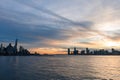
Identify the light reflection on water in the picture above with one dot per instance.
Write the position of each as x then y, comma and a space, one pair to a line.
59, 67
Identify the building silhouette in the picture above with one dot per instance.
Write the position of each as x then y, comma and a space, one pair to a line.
9, 49
69, 51
13, 50
2, 49
87, 51
75, 52
15, 46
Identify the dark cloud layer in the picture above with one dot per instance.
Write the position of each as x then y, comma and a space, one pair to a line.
31, 28
16, 30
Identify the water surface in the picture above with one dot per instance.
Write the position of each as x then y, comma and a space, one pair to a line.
59, 67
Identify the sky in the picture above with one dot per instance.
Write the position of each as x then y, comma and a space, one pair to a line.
52, 26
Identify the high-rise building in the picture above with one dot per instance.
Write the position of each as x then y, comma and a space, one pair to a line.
15, 46
1, 49
10, 49
68, 51
87, 51
75, 51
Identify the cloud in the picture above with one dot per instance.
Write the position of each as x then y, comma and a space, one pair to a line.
59, 24
45, 16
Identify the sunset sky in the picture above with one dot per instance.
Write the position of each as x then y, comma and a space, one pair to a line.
52, 26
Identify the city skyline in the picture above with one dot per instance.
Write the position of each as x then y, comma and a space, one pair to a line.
15, 50
52, 26
88, 51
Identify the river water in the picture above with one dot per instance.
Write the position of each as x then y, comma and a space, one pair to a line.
59, 67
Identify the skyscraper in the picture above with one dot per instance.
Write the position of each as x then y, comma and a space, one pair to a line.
15, 46
68, 51
75, 52
87, 51
1, 49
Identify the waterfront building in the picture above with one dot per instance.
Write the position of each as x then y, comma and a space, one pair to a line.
69, 51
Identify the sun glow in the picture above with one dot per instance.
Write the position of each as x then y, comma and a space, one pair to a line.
109, 27
47, 50
112, 44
